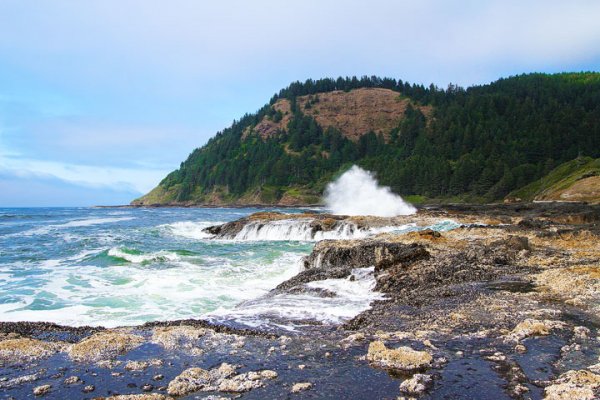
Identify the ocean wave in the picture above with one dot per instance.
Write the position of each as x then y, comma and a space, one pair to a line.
349, 298
46, 229
137, 257
128, 294
189, 229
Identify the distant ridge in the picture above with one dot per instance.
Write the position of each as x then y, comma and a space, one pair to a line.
477, 144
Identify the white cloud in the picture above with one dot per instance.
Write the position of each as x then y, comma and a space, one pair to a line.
139, 180
113, 92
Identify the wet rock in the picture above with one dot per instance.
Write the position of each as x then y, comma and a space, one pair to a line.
416, 385
301, 386
148, 396
429, 234
349, 254
421, 277
217, 379
19, 381
595, 368
520, 349
213, 397
142, 365
147, 387
315, 222
158, 377
72, 380
108, 364
104, 345
25, 349
42, 390
534, 327
579, 385
403, 358
497, 356
89, 389
297, 282
514, 243
173, 337
312, 291
189, 381
519, 390
245, 382
352, 340
581, 332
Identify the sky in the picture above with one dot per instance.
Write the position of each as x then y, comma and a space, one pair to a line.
99, 100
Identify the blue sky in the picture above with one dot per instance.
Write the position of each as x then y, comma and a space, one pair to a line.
100, 99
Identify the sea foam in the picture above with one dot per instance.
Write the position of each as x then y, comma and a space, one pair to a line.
357, 192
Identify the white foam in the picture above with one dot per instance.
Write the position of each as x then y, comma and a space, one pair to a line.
190, 229
141, 258
46, 229
134, 293
351, 298
301, 230
296, 229
356, 192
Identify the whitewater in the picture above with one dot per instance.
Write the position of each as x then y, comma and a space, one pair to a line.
115, 267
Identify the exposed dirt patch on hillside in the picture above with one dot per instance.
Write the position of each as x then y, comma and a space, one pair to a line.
586, 189
353, 113
359, 111
268, 127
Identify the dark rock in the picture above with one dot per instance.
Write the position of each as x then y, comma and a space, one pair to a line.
362, 253
317, 292
89, 389
147, 387
310, 275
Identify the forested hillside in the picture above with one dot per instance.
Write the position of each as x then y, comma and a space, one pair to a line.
474, 144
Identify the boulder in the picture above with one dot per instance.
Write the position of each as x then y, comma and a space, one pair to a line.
416, 385
104, 345
350, 254
581, 385
403, 358
301, 386
25, 349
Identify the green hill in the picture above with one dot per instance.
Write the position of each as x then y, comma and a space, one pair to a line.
475, 144
575, 180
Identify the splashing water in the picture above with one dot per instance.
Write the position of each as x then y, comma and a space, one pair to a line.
356, 192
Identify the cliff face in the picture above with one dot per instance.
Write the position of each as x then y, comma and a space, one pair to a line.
478, 144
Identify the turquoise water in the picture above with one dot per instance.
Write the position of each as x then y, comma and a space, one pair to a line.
111, 267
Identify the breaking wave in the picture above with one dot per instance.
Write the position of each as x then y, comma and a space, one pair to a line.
357, 192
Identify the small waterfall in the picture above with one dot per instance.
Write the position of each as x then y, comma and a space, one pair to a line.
297, 229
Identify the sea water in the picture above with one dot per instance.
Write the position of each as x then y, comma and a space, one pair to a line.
126, 266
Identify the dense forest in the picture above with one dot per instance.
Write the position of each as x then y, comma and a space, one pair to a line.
478, 144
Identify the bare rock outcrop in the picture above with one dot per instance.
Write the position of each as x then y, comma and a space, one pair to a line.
402, 358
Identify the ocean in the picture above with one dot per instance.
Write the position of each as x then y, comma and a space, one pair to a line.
127, 266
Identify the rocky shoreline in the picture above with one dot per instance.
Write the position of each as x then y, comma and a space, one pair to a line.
506, 306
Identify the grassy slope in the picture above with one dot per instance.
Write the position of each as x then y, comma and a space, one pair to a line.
559, 180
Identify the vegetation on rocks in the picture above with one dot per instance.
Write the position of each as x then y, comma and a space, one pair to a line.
576, 180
